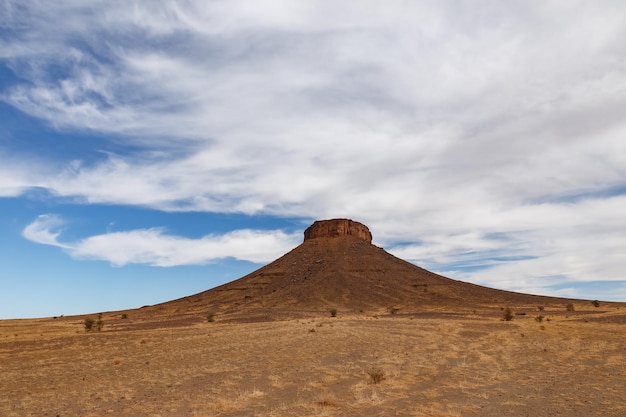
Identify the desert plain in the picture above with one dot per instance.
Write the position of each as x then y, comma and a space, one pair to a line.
354, 364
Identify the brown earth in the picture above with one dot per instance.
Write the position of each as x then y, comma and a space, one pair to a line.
404, 342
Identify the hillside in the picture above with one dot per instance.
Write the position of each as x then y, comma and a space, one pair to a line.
337, 267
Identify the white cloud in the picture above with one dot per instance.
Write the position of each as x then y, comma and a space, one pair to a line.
45, 230
533, 248
491, 96
157, 248
19, 175
480, 130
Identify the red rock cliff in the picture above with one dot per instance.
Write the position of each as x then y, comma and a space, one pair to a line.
337, 228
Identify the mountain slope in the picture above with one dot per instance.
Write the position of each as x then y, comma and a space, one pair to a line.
337, 267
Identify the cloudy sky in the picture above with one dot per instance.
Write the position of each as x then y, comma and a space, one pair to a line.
150, 150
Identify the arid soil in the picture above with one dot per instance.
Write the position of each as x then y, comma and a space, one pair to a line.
570, 364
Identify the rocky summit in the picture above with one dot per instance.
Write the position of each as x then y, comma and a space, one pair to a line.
337, 228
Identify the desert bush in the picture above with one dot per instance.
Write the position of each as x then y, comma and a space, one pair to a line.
99, 322
570, 307
91, 324
507, 315
376, 375
595, 303
210, 317
540, 308
539, 319
333, 312
124, 316
88, 323
394, 310
327, 400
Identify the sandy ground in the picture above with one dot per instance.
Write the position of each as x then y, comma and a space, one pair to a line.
350, 365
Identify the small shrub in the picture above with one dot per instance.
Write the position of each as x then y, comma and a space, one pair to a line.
394, 311
570, 307
333, 312
595, 303
327, 400
124, 316
376, 375
540, 308
88, 323
507, 315
94, 324
210, 317
539, 319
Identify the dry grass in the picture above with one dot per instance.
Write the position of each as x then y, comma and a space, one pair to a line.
435, 366
376, 375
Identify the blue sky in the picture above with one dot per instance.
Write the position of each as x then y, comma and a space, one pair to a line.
151, 150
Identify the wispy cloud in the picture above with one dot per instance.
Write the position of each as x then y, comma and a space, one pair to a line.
156, 247
45, 230
19, 174
295, 93
533, 248
443, 123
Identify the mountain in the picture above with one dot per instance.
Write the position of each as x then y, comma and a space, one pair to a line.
338, 268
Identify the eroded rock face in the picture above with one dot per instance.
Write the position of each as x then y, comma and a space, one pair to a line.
337, 228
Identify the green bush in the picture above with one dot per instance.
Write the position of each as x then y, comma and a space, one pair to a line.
570, 307
539, 319
596, 303
210, 317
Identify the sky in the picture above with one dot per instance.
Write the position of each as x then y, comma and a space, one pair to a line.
152, 150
